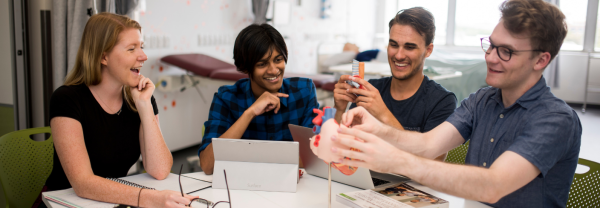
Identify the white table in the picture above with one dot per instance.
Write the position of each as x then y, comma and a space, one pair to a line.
380, 69
312, 192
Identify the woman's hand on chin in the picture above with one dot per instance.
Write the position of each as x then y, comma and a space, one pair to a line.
143, 91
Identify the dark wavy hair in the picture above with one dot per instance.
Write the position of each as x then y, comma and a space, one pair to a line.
253, 43
543, 22
418, 18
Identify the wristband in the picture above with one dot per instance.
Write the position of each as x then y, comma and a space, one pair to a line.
139, 196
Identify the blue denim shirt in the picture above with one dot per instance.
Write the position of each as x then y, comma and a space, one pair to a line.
539, 127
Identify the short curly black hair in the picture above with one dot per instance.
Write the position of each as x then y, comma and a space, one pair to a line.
418, 18
253, 43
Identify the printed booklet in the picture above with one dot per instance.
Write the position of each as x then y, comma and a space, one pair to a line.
398, 196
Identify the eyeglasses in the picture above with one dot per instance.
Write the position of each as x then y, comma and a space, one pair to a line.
504, 53
204, 201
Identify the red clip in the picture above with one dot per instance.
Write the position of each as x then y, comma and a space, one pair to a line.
319, 118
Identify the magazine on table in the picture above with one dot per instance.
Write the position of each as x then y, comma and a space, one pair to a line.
400, 195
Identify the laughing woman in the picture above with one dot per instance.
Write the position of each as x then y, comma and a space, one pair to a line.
261, 106
105, 116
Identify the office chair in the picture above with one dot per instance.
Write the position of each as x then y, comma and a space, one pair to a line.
25, 165
458, 154
585, 189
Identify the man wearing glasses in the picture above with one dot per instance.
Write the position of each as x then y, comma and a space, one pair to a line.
524, 141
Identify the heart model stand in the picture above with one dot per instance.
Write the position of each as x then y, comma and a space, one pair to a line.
321, 144
330, 185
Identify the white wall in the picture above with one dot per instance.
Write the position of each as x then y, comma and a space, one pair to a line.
6, 56
572, 77
210, 27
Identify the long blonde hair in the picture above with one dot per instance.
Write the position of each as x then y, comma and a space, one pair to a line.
100, 35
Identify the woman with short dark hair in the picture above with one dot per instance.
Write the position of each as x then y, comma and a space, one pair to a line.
261, 106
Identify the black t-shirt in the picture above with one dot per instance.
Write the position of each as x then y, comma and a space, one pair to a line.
112, 141
430, 106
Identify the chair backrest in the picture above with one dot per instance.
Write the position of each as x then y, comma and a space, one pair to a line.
25, 165
585, 189
458, 154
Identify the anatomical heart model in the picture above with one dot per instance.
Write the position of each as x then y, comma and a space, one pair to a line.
325, 127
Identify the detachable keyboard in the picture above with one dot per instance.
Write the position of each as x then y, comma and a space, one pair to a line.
377, 182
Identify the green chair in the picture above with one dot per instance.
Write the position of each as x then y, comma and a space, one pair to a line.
25, 165
458, 154
585, 189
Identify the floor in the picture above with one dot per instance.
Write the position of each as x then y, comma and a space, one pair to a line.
181, 157
590, 141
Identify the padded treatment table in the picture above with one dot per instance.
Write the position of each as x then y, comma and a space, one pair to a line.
199, 64
318, 79
229, 75
330, 86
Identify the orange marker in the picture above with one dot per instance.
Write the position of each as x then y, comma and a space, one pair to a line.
361, 70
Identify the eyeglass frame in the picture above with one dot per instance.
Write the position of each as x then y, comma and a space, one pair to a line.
510, 51
198, 199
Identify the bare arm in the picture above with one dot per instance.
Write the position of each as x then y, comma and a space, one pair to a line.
156, 155
71, 149
507, 174
434, 144
430, 145
339, 113
207, 160
389, 119
158, 164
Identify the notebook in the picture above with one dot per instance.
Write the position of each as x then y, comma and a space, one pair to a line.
68, 198
129, 183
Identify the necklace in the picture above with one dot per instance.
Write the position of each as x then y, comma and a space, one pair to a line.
99, 98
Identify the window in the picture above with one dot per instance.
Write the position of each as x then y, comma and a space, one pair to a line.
475, 19
597, 42
575, 15
439, 9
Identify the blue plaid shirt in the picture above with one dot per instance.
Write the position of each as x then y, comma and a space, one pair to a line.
230, 102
